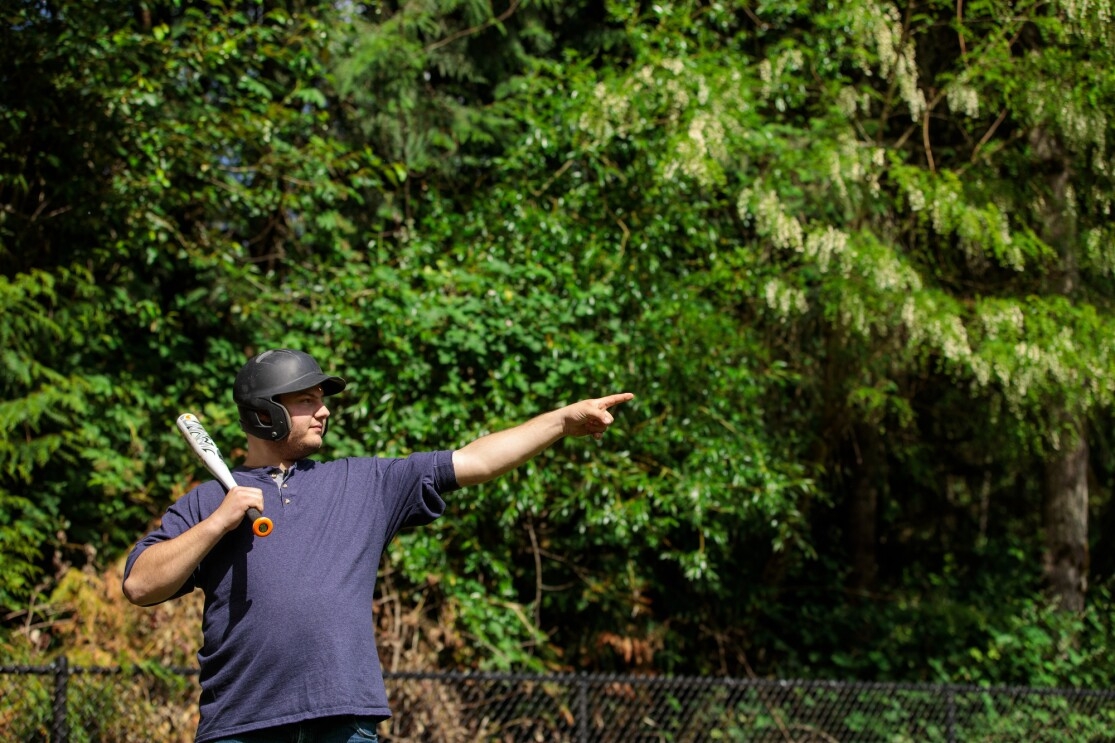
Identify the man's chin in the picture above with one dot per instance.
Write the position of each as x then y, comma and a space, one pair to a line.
304, 447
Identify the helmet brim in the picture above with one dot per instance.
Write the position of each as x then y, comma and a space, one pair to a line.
329, 385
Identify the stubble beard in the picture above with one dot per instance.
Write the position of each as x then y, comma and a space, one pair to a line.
304, 446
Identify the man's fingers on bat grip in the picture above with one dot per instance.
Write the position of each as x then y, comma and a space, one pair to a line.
248, 497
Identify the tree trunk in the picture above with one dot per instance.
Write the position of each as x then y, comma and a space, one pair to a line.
863, 509
1066, 525
1066, 474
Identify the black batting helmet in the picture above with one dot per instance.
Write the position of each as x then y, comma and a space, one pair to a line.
268, 375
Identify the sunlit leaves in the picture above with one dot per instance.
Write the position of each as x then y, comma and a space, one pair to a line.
778, 223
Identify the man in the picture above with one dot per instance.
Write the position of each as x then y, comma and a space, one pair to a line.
288, 649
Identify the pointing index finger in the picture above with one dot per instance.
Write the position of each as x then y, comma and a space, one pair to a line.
611, 400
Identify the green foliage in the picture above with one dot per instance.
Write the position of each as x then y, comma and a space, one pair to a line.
807, 235
1040, 646
38, 404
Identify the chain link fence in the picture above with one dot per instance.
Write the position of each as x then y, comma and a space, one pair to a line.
61, 703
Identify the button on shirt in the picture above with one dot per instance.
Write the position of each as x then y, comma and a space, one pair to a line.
279, 477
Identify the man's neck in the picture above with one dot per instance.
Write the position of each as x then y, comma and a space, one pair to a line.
265, 454
255, 464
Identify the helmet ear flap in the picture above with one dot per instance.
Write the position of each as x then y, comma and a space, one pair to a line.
255, 421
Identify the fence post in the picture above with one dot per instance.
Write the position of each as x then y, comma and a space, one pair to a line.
582, 708
60, 726
950, 713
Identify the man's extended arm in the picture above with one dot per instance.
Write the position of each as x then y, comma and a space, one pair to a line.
490, 456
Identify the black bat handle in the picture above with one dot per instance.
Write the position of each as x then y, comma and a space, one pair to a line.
261, 525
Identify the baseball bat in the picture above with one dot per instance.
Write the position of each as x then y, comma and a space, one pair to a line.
200, 441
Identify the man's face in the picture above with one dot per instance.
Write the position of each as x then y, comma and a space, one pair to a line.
307, 422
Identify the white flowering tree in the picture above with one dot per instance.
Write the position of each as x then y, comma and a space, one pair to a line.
972, 184
921, 197
931, 186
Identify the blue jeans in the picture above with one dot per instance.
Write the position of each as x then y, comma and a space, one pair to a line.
345, 729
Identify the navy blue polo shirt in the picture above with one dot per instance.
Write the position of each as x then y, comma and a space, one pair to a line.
288, 629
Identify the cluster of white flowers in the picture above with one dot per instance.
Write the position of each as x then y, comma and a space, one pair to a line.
1006, 355
675, 66
878, 161
1085, 13
614, 115
770, 219
834, 166
855, 162
772, 72
609, 118
1033, 364
943, 207
990, 232
1099, 252
948, 334
853, 313
850, 101
881, 26
672, 89
678, 98
1087, 127
822, 246
1101, 197
890, 274
983, 232
909, 314
784, 230
784, 299
1059, 361
1001, 319
697, 155
1034, 97
963, 99
915, 197
1102, 165
930, 325
1080, 125
702, 146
